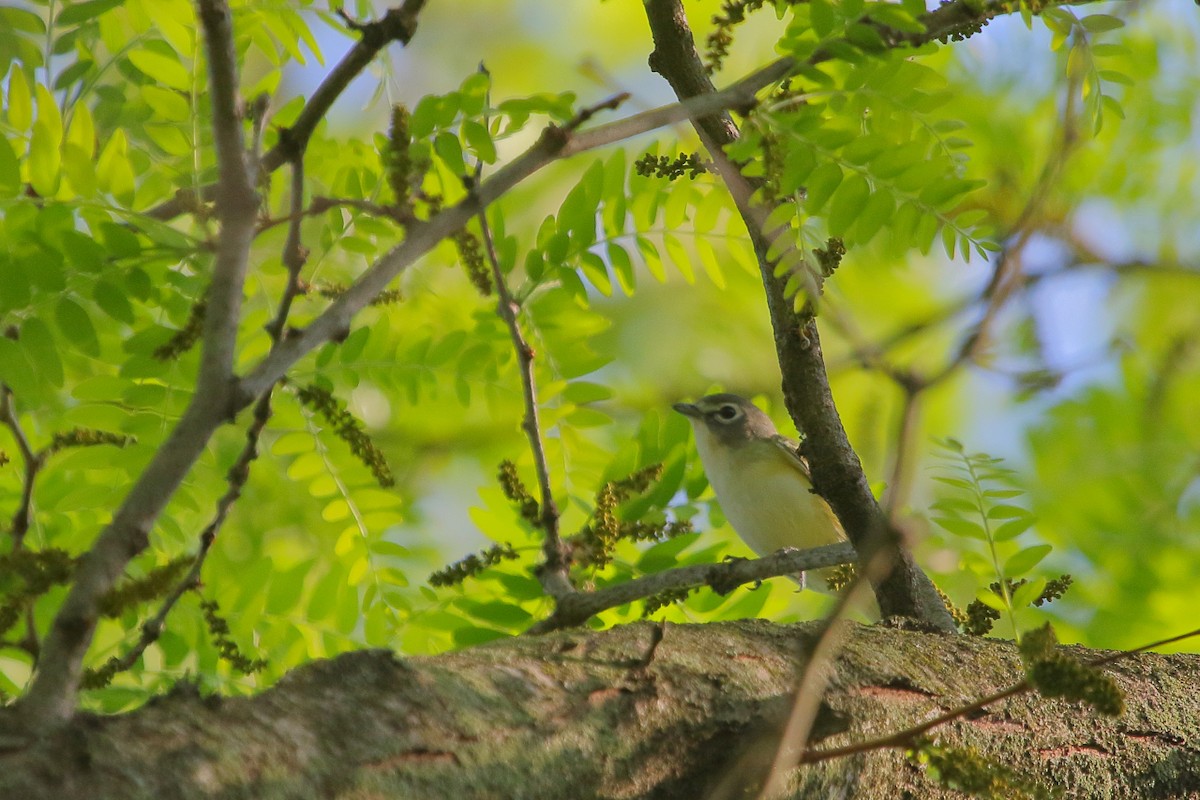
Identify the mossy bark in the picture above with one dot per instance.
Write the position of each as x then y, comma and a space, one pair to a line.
608, 715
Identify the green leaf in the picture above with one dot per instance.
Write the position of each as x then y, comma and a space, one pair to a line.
470, 636
955, 482
39, 344
991, 600
847, 203
170, 106
1007, 512
47, 112
955, 505
113, 170
622, 267
798, 164
895, 16
163, 68
824, 18
1024, 560
679, 257
76, 326
44, 160
498, 613
1099, 23
80, 170
1013, 528
596, 272
577, 214
874, 215
10, 169
962, 527
1114, 76
821, 185
82, 12
15, 291
19, 19
15, 370
20, 101
449, 150
1026, 593
479, 141
652, 259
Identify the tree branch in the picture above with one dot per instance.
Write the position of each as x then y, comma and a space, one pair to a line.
554, 572
30, 461
397, 25
577, 608
51, 696
555, 143
837, 472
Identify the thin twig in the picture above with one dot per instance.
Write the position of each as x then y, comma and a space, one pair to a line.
294, 254
236, 479
906, 737
814, 680
320, 204
32, 463
577, 608
397, 25
554, 573
906, 438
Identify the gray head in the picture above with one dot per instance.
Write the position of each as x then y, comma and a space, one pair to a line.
730, 418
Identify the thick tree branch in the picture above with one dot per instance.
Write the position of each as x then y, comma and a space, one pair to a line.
837, 472
635, 711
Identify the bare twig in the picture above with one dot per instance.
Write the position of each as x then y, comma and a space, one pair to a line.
31, 462
397, 25
577, 608
320, 204
906, 737
906, 437
294, 255
814, 680
236, 479
554, 573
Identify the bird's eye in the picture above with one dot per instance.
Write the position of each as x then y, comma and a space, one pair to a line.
727, 412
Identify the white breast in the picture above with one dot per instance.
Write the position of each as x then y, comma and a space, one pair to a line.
766, 499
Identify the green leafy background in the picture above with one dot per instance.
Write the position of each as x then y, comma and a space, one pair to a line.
636, 292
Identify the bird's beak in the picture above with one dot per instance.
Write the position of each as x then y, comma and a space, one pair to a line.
687, 409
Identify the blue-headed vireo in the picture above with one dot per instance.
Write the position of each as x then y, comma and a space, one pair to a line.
761, 481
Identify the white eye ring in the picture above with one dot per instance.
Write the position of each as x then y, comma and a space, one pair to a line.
728, 412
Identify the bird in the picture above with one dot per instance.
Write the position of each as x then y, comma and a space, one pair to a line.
761, 480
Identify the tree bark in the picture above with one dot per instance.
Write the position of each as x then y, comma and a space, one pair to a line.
614, 715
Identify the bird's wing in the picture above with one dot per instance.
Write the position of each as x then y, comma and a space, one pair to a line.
791, 449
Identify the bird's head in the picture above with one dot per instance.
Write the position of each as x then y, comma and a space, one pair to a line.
730, 419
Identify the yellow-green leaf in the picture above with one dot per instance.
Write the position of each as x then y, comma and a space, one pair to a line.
44, 159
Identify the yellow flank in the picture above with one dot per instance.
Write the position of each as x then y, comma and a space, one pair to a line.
766, 494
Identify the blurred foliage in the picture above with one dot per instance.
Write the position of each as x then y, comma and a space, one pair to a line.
634, 290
